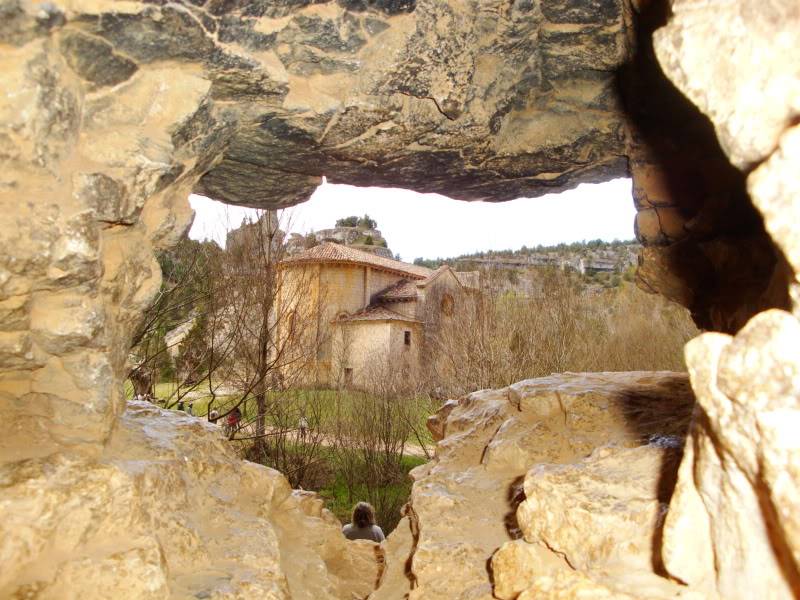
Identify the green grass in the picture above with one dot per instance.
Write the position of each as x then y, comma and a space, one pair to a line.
339, 500
319, 406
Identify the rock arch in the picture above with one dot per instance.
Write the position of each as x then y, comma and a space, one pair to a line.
115, 112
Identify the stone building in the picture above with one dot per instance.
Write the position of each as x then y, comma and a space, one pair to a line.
370, 309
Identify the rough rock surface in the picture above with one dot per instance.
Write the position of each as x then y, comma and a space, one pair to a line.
705, 245
576, 469
112, 112
168, 510
732, 524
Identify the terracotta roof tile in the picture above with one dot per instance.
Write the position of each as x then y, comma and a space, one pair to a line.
376, 312
336, 253
402, 290
435, 273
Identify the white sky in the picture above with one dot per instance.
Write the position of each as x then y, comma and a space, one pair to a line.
430, 225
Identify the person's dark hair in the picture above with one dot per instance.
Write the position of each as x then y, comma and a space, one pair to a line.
363, 515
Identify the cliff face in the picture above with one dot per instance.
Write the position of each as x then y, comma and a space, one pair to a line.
113, 112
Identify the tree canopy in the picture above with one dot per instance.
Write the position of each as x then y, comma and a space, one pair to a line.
365, 222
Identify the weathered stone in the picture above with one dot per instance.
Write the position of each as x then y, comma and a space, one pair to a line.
776, 194
577, 11
518, 563
168, 510
659, 226
605, 509
745, 386
464, 505
420, 60
95, 60
734, 500
745, 76
396, 578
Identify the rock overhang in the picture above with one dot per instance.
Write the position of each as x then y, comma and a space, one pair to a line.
523, 101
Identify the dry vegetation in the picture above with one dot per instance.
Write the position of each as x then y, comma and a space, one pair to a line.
500, 338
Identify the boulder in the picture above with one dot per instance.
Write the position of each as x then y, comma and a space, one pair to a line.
565, 472
168, 510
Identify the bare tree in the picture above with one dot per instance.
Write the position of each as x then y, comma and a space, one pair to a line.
504, 336
184, 294
265, 323
371, 430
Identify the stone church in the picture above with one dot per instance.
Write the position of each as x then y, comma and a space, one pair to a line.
371, 309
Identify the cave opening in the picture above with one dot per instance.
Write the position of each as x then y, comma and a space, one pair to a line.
116, 112
529, 287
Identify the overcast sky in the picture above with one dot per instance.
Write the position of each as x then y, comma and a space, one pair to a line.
430, 225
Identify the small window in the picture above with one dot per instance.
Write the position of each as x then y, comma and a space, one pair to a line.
348, 377
407, 338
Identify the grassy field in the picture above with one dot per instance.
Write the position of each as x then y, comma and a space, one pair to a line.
321, 408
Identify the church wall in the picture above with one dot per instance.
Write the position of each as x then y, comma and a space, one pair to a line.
366, 345
407, 309
380, 280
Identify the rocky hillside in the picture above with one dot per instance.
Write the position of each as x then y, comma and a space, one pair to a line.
594, 264
362, 234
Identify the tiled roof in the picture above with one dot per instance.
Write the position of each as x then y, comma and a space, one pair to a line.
434, 274
376, 312
402, 290
336, 253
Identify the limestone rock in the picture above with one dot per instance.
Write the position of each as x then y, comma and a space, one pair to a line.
470, 501
517, 564
748, 76
776, 193
735, 487
366, 95
735, 498
604, 509
706, 245
396, 578
169, 511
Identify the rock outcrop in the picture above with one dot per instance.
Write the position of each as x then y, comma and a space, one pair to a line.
733, 521
168, 510
705, 245
567, 475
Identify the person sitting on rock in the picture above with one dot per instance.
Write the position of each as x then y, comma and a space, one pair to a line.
363, 525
